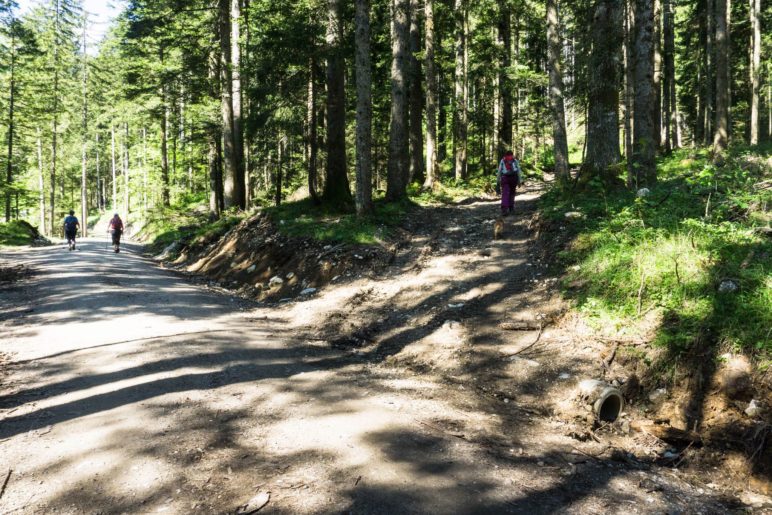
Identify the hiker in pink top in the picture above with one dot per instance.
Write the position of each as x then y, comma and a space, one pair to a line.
116, 229
508, 176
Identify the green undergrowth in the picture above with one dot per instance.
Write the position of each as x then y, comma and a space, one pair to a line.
690, 256
17, 232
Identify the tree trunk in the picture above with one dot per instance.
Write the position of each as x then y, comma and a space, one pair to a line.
165, 195
215, 173
41, 185
442, 101
668, 98
84, 147
755, 13
656, 106
560, 140
629, 90
460, 113
11, 113
398, 167
126, 173
504, 126
416, 96
645, 130
52, 205
144, 171
603, 96
364, 187
114, 205
710, 70
432, 169
239, 191
721, 124
336, 186
100, 180
313, 138
230, 173
280, 148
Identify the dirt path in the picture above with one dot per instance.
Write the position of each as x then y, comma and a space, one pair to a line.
129, 390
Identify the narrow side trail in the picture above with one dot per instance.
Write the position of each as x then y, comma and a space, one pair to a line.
129, 390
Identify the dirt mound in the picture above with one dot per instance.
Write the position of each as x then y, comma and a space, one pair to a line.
265, 264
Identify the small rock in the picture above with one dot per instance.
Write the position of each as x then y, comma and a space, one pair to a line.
255, 504
625, 427
657, 395
308, 291
327, 247
753, 409
335, 278
573, 215
643, 192
290, 275
456, 306
564, 376
251, 269
755, 500
728, 286
275, 281
669, 455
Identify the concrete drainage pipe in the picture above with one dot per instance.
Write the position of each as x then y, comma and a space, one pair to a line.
607, 402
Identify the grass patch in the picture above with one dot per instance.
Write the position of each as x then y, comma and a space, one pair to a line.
304, 219
689, 251
17, 232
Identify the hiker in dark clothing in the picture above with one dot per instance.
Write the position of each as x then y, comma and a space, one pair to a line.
116, 229
71, 226
508, 176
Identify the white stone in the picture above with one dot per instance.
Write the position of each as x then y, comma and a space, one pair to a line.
275, 281
308, 291
728, 286
753, 409
290, 275
251, 269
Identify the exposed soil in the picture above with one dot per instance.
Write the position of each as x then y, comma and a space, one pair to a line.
434, 374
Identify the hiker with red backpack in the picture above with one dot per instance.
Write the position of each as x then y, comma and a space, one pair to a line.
508, 176
116, 229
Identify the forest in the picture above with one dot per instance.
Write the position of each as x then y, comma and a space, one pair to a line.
243, 102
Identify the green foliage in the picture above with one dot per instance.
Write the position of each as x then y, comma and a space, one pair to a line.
669, 253
17, 232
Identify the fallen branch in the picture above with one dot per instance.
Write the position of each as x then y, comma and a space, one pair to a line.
538, 337
5, 482
520, 325
667, 433
431, 426
607, 362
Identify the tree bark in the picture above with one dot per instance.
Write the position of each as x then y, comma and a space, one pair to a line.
230, 173
560, 139
336, 186
755, 13
656, 106
460, 113
432, 169
114, 205
668, 98
721, 124
215, 173
364, 186
504, 127
126, 173
41, 184
645, 129
417, 171
313, 138
84, 143
710, 70
11, 113
239, 190
52, 205
603, 110
629, 90
398, 167
165, 194
144, 171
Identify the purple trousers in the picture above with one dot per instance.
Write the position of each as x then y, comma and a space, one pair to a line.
508, 187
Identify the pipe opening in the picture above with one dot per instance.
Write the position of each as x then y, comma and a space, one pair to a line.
610, 408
